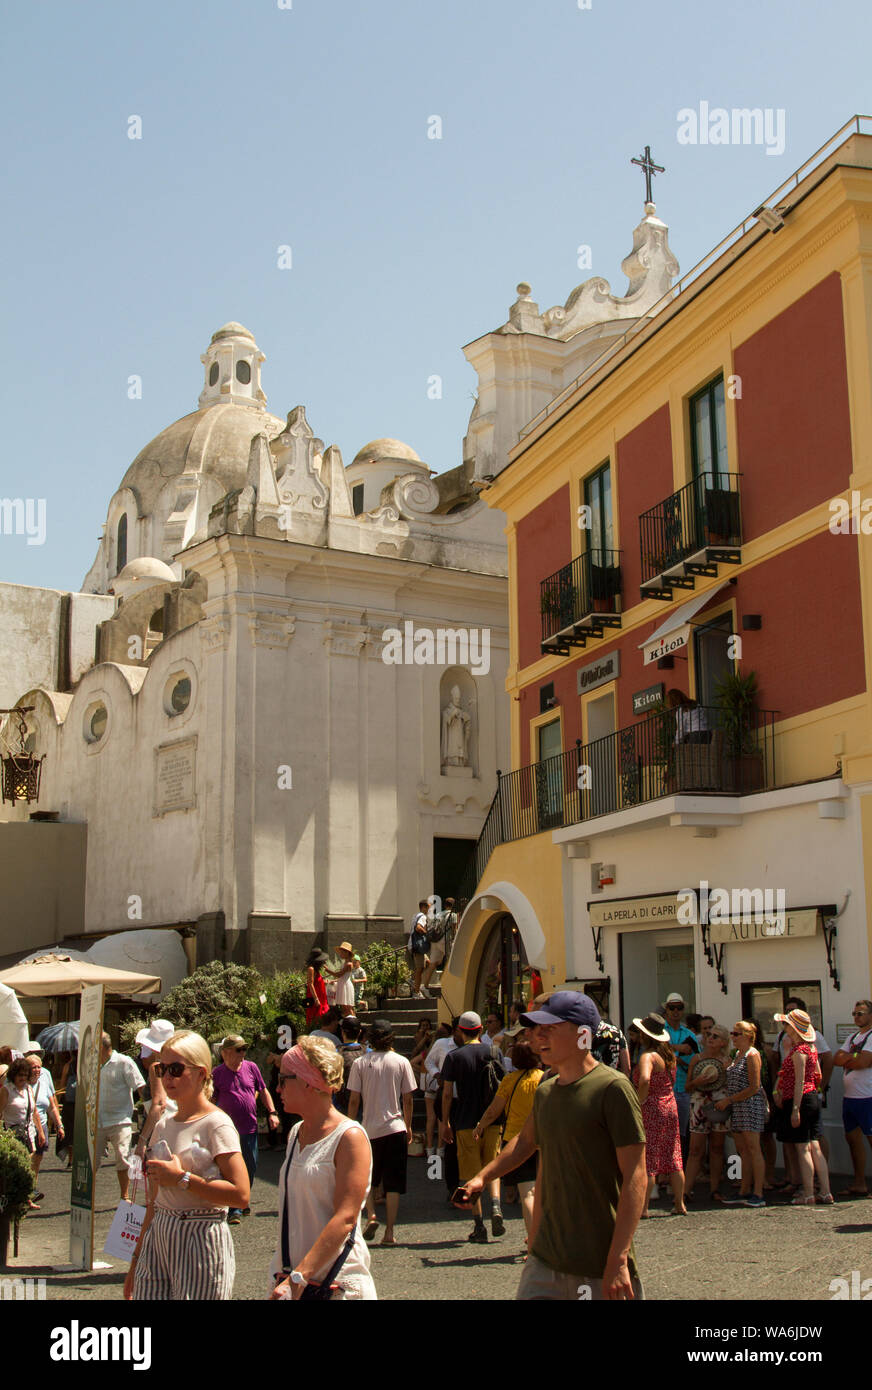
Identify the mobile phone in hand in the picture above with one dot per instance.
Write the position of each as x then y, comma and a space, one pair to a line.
461, 1198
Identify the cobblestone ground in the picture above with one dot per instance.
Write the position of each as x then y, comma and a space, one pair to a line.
716, 1253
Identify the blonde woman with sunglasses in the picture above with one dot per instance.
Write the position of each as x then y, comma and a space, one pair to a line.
195, 1173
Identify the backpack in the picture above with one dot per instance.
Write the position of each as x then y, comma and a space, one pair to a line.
489, 1079
437, 931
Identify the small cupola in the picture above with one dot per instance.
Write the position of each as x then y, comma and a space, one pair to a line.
232, 362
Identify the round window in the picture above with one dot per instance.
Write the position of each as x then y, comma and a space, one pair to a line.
180, 697
243, 372
98, 722
213, 373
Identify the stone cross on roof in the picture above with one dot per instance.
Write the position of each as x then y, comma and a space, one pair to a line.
647, 164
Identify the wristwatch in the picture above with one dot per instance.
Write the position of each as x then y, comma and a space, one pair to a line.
184, 1180
298, 1278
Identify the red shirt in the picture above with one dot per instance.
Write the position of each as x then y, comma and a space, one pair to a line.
787, 1075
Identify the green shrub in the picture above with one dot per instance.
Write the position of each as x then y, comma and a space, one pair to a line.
385, 968
16, 1176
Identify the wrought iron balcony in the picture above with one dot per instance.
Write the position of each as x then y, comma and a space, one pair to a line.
580, 601
700, 750
691, 533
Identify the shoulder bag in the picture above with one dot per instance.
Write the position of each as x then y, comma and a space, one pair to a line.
323, 1290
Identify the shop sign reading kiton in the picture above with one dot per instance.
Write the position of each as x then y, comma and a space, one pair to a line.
667, 644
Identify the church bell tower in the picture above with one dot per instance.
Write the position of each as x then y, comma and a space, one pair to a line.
232, 362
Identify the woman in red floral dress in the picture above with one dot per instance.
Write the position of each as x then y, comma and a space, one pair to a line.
654, 1077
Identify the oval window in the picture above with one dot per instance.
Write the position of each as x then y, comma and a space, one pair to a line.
97, 725
243, 372
181, 695
213, 373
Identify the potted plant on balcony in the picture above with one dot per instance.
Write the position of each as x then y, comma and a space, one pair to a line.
736, 697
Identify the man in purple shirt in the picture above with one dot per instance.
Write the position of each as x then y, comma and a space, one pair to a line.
237, 1086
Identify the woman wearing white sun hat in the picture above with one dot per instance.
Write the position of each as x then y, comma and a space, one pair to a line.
150, 1041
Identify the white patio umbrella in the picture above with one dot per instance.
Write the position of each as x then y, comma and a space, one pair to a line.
14, 1028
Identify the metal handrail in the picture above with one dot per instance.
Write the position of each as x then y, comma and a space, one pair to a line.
572, 592
698, 749
704, 514
792, 181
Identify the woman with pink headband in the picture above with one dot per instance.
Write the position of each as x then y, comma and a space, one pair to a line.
320, 1252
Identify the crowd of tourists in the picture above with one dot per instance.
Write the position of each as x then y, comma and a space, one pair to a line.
550, 1106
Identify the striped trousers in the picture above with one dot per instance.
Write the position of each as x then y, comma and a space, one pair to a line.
186, 1255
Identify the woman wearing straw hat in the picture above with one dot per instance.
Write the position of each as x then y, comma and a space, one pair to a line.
654, 1078
799, 1105
344, 982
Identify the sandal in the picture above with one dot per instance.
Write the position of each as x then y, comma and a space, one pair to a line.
803, 1202
824, 1199
370, 1229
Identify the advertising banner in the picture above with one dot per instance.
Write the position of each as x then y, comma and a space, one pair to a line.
85, 1157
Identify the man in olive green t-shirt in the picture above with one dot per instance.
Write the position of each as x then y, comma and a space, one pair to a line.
586, 1123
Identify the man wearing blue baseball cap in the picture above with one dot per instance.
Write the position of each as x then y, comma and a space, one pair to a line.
586, 1123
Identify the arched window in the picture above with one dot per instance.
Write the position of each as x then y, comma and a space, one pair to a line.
121, 544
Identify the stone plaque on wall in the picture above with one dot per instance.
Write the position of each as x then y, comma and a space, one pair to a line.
175, 779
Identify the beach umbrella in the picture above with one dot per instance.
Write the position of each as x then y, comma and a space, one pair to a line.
60, 1037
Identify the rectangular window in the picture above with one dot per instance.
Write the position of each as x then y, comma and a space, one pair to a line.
708, 434
357, 499
598, 497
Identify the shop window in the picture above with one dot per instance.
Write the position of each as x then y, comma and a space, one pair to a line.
762, 1002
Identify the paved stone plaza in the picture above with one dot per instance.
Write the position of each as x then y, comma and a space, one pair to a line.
715, 1253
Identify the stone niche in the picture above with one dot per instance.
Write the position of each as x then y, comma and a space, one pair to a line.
458, 737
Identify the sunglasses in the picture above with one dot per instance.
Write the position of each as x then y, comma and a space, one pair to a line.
679, 1007
175, 1069
859, 1011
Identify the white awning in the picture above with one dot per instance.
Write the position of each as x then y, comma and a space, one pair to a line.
675, 632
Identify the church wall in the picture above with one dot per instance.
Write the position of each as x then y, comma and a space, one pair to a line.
793, 416
31, 636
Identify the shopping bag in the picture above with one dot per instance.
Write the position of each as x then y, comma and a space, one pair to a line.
125, 1229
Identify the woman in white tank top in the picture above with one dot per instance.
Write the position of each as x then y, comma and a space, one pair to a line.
323, 1182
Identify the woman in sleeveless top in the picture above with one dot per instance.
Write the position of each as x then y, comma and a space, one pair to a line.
323, 1182
654, 1078
749, 1110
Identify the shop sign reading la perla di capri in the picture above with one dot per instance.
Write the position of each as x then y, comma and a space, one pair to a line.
733, 925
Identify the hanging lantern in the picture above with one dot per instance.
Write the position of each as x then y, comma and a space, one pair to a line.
21, 770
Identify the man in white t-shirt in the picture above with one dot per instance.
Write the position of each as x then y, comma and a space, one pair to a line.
385, 1082
120, 1081
856, 1058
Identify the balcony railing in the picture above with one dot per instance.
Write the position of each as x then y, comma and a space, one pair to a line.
581, 600
689, 533
701, 750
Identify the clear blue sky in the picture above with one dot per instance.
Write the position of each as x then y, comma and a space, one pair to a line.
308, 127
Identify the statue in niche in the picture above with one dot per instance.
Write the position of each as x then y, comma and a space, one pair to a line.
455, 732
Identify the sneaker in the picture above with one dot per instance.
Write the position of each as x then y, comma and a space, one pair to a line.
425, 993
754, 1201
498, 1225
478, 1235
246, 1211
234, 1219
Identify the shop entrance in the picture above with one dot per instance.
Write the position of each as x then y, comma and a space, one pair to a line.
504, 973
654, 964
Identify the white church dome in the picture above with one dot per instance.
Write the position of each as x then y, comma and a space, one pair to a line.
146, 568
380, 449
